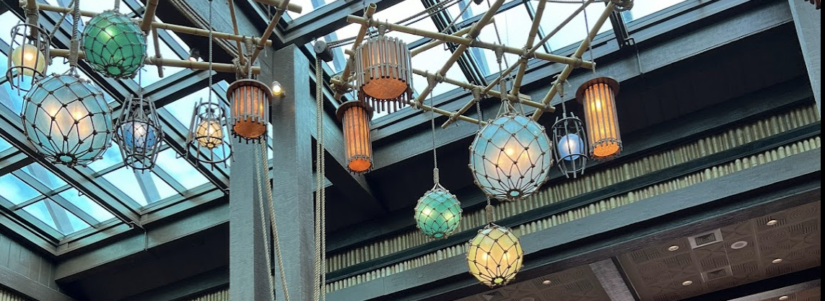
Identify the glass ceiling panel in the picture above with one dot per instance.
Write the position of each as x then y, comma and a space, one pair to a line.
125, 180
4, 145
111, 157
472, 11
7, 21
180, 169
645, 8
16, 191
576, 30
513, 28
432, 61
163, 188
44, 176
308, 5
183, 108
87, 205
56, 217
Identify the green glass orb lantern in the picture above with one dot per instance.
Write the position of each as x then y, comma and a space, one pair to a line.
67, 120
114, 45
495, 256
438, 213
511, 157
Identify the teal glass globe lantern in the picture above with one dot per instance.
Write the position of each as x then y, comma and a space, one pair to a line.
438, 213
511, 157
114, 45
67, 120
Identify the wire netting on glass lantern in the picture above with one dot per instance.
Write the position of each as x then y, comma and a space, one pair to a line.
511, 157
438, 213
29, 56
114, 45
139, 134
383, 68
250, 100
495, 256
571, 145
67, 120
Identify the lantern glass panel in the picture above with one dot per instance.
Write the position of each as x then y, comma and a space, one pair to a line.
598, 98
495, 256
356, 118
114, 45
438, 213
250, 101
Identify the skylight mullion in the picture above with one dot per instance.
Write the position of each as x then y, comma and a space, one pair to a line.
39, 225
144, 180
163, 175
71, 208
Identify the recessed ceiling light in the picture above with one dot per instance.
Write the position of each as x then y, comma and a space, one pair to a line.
773, 222
547, 282
674, 248
687, 283
778, 261
784, 298
739, 245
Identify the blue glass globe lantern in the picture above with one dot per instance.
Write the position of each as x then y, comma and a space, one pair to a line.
511, 157
139, 134
438, 213
572, 147
114, 45
67, 120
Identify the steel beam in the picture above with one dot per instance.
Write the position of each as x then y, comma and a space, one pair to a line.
29, 288
809, 28
326, 20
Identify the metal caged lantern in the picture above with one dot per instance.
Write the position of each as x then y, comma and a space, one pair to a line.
67, 120
139, 134
356, 116
599, 99
438, 213
383, 67
29, 57
207, 140
571, 145
511, 157
250, 102
495, 256
114, 45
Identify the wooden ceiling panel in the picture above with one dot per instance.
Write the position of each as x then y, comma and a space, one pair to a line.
578, 284
765, 247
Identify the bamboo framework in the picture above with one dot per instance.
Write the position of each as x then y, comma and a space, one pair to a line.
148, 24
467, 38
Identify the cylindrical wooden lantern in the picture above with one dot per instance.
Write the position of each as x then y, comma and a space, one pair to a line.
250, 101
599, 99
356, 116
384, 73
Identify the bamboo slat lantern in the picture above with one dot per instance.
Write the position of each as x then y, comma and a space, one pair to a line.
356, 116
29, 57
383, 67
599, 99
250, 101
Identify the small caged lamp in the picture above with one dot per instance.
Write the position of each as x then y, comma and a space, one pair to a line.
598, 97
571, 145
356, 116
29, 57
207, 140
383, 68
250, 103
139, 134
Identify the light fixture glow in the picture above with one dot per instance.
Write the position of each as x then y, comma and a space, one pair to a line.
383, 71
250, 103
30, 59
599, 99
139, 134
495, 256
674, 248
356, 116
687, 283
114, 44
778, 261
277, 89
438, 213
773, 222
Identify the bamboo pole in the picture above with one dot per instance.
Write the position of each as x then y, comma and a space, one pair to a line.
295, 8
469, 42
234, 17
437, 43
579, 53
165, 26
535, 48
534, 30
149, 15
157, 49
217, 67
345, 76
269, 30
523, 99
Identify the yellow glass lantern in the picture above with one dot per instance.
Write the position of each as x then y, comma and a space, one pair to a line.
356, 116
29, 59
495, 256
250, 101
598, 97
210, 133
383, 71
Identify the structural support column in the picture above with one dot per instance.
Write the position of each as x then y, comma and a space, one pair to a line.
248, 275
808, 22
292, 119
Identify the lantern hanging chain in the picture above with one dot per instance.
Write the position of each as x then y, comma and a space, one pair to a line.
320, 195
117, 5
60, 22
265, 231
273, 223
211, 49
75, 43
436, 173
489, 210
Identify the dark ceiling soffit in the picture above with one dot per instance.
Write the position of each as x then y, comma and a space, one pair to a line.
755, 14
327, 19
796, 287
29, 287
751, 193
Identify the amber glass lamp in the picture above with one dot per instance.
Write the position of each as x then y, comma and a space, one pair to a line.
598, 97
356, 116
384, 73
29, 57
250, 101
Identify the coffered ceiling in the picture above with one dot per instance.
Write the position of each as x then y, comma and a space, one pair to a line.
578, 284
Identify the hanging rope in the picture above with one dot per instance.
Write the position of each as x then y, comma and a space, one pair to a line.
589, 38
320, 192
75, 44
259, 176
436, 175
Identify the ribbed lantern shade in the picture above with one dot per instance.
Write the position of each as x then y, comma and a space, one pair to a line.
67, 120
114, 45
511, 157
571, 145
356, 116
495, 256
438, 213
599, 99
29, 56
384, 73
139, 134
250, 101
